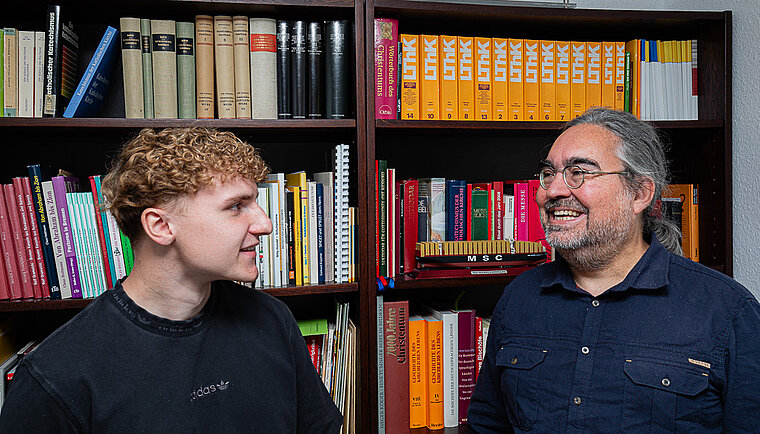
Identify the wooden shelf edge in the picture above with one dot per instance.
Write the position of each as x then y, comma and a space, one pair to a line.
274, 124
305, 3
522, 125
327, 288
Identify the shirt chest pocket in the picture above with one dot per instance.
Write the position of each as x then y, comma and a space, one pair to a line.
662, 396
520, 372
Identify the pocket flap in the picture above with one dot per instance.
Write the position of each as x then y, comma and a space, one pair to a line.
519, 357
666, 376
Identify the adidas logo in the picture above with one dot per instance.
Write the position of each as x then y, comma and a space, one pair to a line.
205, 391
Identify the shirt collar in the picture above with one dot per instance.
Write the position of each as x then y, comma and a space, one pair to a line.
650, 272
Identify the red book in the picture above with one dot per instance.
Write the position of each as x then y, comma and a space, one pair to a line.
377, 218
39, 258
466, 338
468, 212
314, 345
498, 213
19, 245
101, 234
23, 214
411, 197
386, 67
10, 265
396, 359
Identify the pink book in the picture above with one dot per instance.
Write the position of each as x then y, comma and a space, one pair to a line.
386, 67
535, 229
521, 211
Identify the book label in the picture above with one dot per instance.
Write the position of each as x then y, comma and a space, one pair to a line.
163, 43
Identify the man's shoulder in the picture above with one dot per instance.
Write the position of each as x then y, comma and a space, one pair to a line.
696, 276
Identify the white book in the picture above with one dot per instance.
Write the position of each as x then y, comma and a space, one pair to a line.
450, 365
327, 179
275, 238
313, 238
263, 68
117, 254
279, 180
342, 241
39, 73
56, 239
265, 278
685, 80
509, 217
25, 74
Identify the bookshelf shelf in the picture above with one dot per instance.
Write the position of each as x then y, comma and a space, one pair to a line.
523, 125
253, 124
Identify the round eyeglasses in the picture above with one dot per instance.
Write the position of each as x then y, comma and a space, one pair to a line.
572, 175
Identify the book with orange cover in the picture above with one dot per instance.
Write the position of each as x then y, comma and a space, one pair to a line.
500, 76
633, 48
429, 88
410, 77
619, 75
516, 80
448, 77
608, 74
689, 198
435, 371
531, 86
593, 74
577, 78
483, 93
562, 87
547, 86
418, 372
465, 79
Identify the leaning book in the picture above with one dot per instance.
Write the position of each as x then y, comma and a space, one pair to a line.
94, 85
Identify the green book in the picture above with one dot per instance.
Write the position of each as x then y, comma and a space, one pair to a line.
479, 217
147, 65
126, 248
311, 327
186, 70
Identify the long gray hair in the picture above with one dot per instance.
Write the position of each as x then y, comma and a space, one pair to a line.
642, 153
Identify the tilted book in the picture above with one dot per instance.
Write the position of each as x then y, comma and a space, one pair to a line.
337, 60
104, 238
242, 62
2, 73
164, 56
204, 66
186, 70
283, 70
147, 68
386, 60
94, 86
60, 62
380, 339
224, 63
263, 59
132, 67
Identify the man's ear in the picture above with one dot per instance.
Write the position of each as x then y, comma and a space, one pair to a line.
156, 224
643, 195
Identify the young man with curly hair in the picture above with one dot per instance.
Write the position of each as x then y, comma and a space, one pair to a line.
176, 346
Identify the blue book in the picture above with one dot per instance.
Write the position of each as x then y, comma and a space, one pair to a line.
320, 233
93, 87
456, 218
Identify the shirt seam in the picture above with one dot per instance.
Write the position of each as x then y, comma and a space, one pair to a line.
57, 398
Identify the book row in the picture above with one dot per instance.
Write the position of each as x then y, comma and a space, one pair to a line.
442, 77
56, 242
235, 67
428, 364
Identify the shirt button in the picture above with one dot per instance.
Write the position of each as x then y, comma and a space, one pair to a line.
577, 400
595, 303
585, 350
514, 360
665, 382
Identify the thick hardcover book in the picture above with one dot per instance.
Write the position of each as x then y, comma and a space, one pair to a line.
10, 257
263, 46
10, 72
435, 372
396, 361
19, 244
516, 80
43, 226
61, 62
466, 338
283, 70
456, 206
531, 75
62, 185
687, 195
418, 372
298, 69
93, 88
483, 79
337, 88
204, 67
164, 56
465, 78
147, 68
450, 365
224, 62
186, 70
430, 89
59, 260
386, 63
25, 59
242, 61
448, 78
436, 207
477, 202
315, 71
132, 68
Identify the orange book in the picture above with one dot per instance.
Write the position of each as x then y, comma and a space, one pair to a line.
448, 78
410, 77
688, 196
483, 94
619, 75
547, 87
608, 74
418, 382
430, 100
500, 75
531, 86
516, 80
435, 371
632, 47
593, 74
562, 87
577, 78
465, 79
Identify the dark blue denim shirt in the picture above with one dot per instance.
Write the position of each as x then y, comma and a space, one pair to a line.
674, 347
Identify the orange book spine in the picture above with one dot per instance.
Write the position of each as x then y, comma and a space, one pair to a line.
430, 92
483, 92
531, 86
500, 77
593, 74
562, 87
418, 383
577, 78
435, 372
448, 78
619, 75
410, 77
608, 74
516, 80
465, 79
632, 47
547, 89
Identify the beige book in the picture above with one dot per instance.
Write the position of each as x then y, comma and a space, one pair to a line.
131, 60
263, 57
225, 67
242, 67
10, 72
25, 73
164, 48
204, 66
40, 42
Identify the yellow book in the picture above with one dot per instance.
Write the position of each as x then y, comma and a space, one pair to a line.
577, 78
562, 87
516, 80
448, 77
531, 86
298, 180
688, 196
418, 382
547, 88
297, 230
435, 372
608, 74
634, 50
593, 74
483, 94
430, 91
499, 92
465, 79
619, 75
410, 77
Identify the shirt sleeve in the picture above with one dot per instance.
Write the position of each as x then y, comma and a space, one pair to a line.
487, 412
741, 395
29, 407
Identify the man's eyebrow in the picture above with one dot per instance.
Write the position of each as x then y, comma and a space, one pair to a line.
238, 198
574, 161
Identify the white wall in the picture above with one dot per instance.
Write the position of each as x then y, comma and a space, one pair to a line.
746, 114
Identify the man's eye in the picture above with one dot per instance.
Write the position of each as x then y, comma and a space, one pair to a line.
235, 207
576, 172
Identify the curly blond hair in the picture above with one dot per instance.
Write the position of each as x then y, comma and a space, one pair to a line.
158, 167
